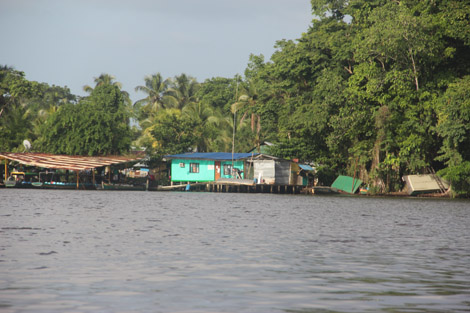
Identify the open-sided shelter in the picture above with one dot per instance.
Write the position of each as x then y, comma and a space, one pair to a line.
65, 162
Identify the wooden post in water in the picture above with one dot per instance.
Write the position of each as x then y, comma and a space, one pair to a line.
78, 179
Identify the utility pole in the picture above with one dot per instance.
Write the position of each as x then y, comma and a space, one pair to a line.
234, 125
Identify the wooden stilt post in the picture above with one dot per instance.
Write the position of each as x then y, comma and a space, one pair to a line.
94, 182
78, 179
6, 170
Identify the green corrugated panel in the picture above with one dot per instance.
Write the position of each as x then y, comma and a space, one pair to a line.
345, 183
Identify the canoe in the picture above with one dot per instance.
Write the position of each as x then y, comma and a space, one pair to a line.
108, 186
62, 185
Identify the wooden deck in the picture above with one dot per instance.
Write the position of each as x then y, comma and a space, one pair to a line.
235, 186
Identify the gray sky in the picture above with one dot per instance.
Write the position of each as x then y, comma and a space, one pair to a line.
70, 42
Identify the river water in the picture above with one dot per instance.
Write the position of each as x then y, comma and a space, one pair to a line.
105, 251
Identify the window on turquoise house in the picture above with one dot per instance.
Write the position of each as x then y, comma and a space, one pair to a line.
227, 169
194, 167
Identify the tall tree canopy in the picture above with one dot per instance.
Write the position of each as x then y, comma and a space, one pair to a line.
373, 88
97, 125
24, 105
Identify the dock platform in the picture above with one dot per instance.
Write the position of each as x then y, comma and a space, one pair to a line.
235, 186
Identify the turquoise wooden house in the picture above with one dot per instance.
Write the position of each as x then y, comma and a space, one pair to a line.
207, 166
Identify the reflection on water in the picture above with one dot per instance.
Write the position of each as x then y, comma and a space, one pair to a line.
91, 251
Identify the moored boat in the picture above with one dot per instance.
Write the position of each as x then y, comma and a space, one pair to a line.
364, 190
21, 180
66, 185
55, 180
108, 186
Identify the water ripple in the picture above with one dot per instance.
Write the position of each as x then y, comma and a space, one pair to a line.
214, 252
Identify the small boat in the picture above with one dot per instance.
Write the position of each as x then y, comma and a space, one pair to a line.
65, 185
21, 180
54, 180
324, 190
108, 186
11, 182
37, 184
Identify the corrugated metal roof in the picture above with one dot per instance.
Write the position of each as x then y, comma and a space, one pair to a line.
306, 167
345, 183
220, 156
66, 162
428, 183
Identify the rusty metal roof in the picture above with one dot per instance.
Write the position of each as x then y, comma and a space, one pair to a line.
67, 162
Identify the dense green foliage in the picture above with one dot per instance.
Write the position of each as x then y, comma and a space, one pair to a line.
376, 89
24, 106
97, 125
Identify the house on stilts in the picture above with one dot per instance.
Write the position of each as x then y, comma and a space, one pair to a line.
247, 172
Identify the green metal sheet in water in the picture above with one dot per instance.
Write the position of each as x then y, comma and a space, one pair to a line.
345, 183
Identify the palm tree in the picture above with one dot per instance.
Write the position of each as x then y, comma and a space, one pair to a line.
103, 79
247, 104
207, 120
183, 91
146, 139
229, 137
157, 98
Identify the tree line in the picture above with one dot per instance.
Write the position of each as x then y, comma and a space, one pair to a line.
373, 88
